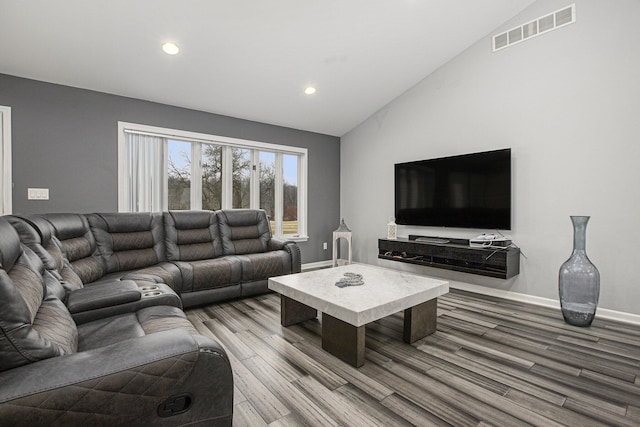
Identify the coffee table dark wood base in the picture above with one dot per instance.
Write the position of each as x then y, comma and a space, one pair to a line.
346, 341
292, 311
420, 321
343, 340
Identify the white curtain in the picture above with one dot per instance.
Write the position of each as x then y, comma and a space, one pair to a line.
146, 173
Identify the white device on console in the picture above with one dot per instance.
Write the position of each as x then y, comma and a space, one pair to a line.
486, 240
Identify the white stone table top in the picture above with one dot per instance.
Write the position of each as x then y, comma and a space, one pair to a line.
383, 293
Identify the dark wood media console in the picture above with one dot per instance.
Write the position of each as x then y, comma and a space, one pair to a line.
457, 255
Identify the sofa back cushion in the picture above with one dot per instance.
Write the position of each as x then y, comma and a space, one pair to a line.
244, 231
74, 237
34, 238
32, 327
31, 237
128, 240
192, 235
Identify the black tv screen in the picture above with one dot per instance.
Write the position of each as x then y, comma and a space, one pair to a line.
467, 191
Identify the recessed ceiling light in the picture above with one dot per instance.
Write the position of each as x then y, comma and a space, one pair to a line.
310, 90
170, 48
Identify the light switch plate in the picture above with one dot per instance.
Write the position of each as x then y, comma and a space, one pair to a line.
37, 194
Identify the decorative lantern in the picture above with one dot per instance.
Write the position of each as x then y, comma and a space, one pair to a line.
341, 232
392, 229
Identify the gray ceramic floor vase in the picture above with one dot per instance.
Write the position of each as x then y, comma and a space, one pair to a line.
579, 280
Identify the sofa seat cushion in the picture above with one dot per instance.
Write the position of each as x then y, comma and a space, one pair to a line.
264, 265
210, 273
146, 321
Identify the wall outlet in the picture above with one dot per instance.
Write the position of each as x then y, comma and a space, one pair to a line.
324, 246
37, 194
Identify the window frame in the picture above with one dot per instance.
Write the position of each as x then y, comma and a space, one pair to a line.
6, 180
196, 170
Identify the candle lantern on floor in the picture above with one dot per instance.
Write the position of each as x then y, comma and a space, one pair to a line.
341, 232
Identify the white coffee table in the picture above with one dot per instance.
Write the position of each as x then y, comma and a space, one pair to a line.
346, 311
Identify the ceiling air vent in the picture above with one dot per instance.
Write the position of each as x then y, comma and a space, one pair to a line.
544, 24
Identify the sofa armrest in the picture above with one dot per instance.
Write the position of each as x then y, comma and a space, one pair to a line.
103, 295
290, 247
104, 299
166, 378
277, 244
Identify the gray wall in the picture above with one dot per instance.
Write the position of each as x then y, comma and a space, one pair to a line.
567, 103
65, 139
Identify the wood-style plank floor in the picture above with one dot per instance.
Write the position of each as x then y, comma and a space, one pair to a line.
491, 362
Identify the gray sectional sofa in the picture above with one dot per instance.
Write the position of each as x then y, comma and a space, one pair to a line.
91, 323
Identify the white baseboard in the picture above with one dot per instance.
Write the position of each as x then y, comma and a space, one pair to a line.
323, 264
601, 313
316, 265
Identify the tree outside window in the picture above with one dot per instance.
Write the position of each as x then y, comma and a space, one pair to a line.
267, 182
211, 177
241, 181
179, 175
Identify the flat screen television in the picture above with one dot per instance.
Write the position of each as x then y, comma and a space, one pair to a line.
467, 191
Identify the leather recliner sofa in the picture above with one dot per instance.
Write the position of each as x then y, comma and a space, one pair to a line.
91, 313
145, 365
204, 256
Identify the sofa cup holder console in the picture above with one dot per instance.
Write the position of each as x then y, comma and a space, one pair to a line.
149, 291
149, 294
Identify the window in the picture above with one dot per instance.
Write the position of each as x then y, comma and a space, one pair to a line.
241, 183
267, 182
212, 177
290, 194
5, 160
162, 169
179, 175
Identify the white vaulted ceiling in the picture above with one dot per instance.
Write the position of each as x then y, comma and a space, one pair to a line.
250, 59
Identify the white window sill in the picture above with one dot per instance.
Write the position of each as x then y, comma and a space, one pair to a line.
294, 238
